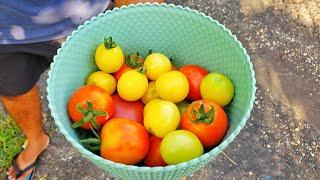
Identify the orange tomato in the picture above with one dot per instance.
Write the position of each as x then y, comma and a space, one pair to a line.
124, 141
98, 98
207, 120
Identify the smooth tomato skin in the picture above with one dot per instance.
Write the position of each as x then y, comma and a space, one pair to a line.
124, 68
132, 110
132, 85
209, 134
100, 99
124, 141
154, 157
151, 93
104, 80
217, 88
161, 117
194, 74
109, 60
180, 146
157, 64
172, 86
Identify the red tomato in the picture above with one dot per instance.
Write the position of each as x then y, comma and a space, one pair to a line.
132, 110
207, 121
195, 74
102, 105
124, 141
132, 61
154, 157
124, 68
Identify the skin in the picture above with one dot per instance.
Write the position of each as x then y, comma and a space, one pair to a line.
26, 110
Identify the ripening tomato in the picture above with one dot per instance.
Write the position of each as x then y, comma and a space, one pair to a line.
132, 110
132, 85
217, 88
151, 93
153, 157
132, 61
124, 68
180, 146
195, 74
161, 117
172, 86
156, 64
109, 56
104, 80
92, 102
207, 120
124, 141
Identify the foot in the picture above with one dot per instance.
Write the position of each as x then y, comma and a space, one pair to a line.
28, 156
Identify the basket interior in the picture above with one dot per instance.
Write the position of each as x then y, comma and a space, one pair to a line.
189, 37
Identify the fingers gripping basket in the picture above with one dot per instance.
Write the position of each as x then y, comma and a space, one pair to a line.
189, 36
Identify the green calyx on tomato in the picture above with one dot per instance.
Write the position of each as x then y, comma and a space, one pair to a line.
89, 115
142, 70
201, 116
134, 60
109, 43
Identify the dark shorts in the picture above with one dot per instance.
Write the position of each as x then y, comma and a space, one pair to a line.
22, 65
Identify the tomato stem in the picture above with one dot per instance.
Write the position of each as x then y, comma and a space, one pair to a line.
201, 116
134, 60
89, 116
142, 70
93, 144
109, 43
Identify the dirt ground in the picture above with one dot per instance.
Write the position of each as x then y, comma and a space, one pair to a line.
281, 138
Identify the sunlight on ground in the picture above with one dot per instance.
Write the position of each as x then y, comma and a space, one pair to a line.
306, 12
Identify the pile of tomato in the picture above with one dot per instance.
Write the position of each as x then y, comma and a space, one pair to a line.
146, 111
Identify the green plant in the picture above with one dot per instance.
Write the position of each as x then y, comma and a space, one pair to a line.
11, 141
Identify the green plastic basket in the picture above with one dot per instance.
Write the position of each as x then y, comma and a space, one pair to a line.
186, 34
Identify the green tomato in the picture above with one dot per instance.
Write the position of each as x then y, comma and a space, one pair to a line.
218, 88
161, 117
180, 146
182, 106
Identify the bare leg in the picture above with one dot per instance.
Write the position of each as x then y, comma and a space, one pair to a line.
26, 110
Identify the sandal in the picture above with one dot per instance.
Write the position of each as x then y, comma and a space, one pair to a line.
20, 172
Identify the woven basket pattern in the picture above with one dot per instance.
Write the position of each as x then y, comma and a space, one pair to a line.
189, 36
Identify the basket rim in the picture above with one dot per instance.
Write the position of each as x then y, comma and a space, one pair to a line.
215, 151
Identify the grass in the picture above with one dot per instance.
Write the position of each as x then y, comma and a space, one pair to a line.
11, 141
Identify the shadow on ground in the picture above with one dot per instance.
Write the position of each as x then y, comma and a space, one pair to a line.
281, 138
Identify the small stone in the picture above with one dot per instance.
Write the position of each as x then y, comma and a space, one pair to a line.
277, 115
250, 173
297, 129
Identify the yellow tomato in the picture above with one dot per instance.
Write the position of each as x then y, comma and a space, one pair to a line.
156, 64
217, 88
132, 85
109, 56
151, 93
172, 86
104, 80
161, 117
